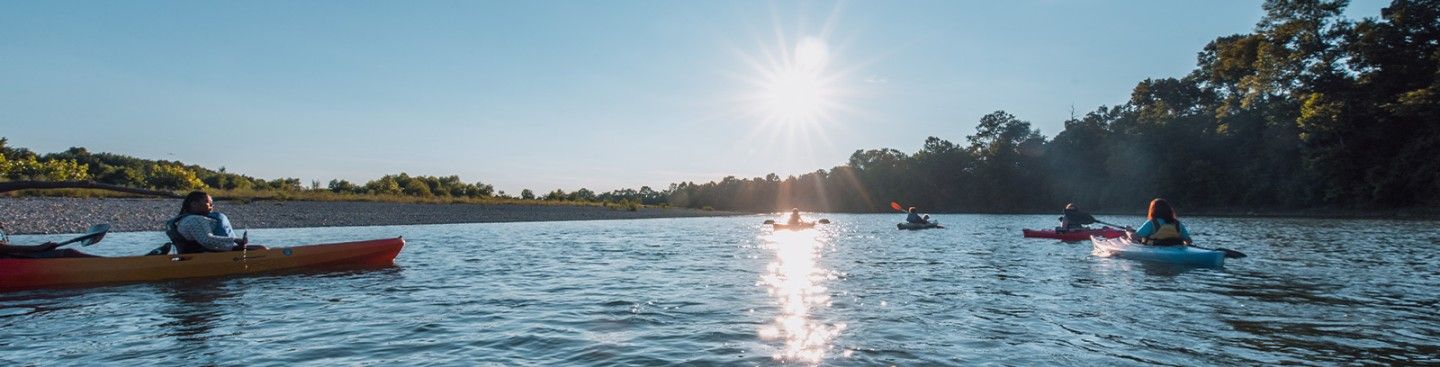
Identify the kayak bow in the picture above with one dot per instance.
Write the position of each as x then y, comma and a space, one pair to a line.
1073, 235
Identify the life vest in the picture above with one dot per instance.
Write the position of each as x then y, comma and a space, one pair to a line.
187, 246
1167, 234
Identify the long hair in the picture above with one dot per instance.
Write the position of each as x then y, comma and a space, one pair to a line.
1159, 208
190, 198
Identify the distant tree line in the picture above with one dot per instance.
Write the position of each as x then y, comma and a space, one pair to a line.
1309, 110
78, 164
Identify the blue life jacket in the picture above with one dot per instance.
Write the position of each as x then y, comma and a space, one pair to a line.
186, 246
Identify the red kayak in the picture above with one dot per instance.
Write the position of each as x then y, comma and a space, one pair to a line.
84, 269
1074, 234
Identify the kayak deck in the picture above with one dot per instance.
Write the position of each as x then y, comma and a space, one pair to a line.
1185, 255
918, 226
1072, 235
797, 226
19, 274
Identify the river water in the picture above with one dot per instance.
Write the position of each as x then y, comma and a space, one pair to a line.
730, 291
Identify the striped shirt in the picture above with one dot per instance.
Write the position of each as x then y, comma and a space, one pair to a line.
200, 229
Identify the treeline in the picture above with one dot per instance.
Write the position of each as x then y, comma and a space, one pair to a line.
79, 164
1310, 110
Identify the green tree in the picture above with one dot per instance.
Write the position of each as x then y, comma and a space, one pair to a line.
172, 177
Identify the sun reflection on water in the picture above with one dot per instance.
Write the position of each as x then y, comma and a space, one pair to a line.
797, 283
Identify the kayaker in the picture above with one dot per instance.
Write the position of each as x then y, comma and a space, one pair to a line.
794, 216
1162, 227
199, 228
914, 217
1074, 219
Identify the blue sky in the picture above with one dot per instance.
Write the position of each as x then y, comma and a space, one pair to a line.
568, 94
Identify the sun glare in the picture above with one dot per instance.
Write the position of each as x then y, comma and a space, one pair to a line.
796, 87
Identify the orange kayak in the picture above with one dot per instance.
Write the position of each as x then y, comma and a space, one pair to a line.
19, 274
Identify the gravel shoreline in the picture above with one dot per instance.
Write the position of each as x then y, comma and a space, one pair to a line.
51, 215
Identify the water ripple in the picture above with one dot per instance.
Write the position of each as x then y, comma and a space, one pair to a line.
727, 291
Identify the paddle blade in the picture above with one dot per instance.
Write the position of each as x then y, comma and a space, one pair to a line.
824, 221
769, 221
91, 236
1232, 253
896, 206
95, 233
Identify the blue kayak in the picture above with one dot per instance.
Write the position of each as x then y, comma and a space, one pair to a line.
1186, 255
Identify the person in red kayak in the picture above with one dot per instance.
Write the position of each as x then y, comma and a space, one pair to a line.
199, 228
1161, 227
1074, 219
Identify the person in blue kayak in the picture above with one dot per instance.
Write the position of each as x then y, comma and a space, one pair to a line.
914, 217
199, 228
794, 216
1074, 219
1161, 227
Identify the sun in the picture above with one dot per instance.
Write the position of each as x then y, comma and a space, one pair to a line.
795, 86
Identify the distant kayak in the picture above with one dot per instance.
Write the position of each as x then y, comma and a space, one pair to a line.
84, 270
915, 226
1073, 235
1186, 255
796, 226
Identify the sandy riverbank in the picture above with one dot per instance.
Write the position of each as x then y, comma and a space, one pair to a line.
70, 215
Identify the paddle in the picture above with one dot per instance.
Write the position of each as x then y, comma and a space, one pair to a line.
91, 236
1111, 224
1228, 252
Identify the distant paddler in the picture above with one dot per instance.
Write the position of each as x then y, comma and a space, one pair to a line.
914, 217
1074, 219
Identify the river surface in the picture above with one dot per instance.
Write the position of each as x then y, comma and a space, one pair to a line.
730, 291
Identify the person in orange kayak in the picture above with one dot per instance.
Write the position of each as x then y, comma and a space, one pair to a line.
794, 216
1161, 227
199, 228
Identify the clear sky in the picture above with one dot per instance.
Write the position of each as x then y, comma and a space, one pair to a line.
570, 94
